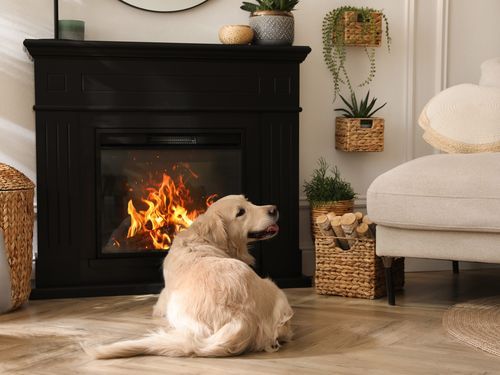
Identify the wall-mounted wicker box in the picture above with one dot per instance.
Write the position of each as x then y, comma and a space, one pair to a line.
359, 134
359, 33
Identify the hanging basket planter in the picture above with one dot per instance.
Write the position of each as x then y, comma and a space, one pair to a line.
362, 32
359, 134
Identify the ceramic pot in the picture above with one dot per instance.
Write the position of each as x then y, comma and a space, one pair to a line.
274, 28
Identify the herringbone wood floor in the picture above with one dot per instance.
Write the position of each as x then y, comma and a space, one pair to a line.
333, 335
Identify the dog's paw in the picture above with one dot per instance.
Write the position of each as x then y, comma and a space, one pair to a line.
274, 347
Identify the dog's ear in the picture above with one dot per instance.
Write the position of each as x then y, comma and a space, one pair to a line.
211, 228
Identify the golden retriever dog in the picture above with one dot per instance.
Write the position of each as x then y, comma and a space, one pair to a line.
214, 303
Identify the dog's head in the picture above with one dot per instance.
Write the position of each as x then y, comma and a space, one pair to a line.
232, 222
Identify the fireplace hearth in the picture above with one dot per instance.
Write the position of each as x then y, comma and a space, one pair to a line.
135, 140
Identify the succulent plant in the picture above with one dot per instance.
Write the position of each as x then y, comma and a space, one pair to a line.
281, 5
363, 110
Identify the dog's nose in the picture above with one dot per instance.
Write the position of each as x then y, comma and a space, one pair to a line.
273, 211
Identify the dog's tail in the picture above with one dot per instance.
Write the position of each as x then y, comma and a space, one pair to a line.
231, 339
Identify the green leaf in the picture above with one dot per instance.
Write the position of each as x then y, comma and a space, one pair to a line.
364, 103
347, 103
346, 112
369, 108
354, 103
376, 110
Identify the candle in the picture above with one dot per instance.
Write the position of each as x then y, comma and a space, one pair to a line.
71, 29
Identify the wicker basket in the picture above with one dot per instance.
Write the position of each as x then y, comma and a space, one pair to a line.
356, 272
16, 223
317, 209
357, 33
358, 134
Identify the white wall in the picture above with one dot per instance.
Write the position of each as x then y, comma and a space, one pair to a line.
474, 37
434, 43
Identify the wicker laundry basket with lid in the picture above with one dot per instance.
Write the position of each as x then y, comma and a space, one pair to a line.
16, 237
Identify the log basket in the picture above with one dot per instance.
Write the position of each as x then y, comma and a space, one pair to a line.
357, 272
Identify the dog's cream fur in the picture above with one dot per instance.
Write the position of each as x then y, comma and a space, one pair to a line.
215, 304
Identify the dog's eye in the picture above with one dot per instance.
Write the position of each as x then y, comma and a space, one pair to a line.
241, 212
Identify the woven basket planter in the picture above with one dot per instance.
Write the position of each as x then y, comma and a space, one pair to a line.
16, 224
363, 34
359, 134
317, 209
357, 272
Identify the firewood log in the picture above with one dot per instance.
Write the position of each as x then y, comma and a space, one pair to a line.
339, 232
349, 222
331, 215
371, 225
363, 231
324, 225
359, 216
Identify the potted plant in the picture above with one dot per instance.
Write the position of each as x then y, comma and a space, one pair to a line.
352, 26
326, 191
358, 130
272, 21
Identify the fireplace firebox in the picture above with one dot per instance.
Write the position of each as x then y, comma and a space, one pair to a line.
135, 140
155, 185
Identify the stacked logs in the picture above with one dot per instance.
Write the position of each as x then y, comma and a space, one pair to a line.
346, 229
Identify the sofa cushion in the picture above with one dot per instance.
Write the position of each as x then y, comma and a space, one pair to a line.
463, 118
459, 192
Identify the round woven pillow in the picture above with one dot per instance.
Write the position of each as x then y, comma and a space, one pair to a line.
462, 119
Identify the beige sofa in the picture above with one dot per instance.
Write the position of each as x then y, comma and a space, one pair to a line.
444, 206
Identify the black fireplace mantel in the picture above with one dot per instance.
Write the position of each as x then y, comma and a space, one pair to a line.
182, 51
84, 89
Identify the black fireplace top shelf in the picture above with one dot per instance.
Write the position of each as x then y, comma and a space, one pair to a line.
125, 76
53, 47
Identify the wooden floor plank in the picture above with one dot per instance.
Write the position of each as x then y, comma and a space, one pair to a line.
333, 335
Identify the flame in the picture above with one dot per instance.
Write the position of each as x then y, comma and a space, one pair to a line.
166, 214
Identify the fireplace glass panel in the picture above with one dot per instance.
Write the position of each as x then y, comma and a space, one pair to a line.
149, 195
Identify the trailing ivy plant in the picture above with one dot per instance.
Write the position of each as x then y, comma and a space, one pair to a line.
281, 5
325, 187
334, 49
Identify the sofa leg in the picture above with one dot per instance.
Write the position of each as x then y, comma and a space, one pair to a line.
389, 283
455, 267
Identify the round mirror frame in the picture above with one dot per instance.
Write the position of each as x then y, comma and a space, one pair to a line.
170, 9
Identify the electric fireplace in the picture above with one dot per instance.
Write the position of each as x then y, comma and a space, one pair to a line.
153, 187
135, 140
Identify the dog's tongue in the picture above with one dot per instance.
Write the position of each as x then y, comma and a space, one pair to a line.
273, 228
